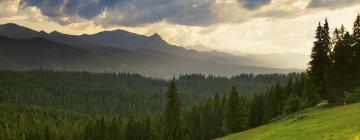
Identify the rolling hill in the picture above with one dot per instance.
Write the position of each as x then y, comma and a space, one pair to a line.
309, 125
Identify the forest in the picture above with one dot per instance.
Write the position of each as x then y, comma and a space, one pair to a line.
57, 105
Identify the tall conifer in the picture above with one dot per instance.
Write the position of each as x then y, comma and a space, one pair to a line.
174, 126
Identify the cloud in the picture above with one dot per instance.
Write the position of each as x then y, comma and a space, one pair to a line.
127, 13
130, 13
8, 8
253, 4
331, 3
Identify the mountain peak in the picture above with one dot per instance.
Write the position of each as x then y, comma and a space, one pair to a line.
156, 36
11, 25
55, 33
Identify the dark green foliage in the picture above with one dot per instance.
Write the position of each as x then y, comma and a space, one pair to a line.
133, 130
335, 71
270, 110
206, 121
218, 117
256, 111
121, 93
65, 102
149, 131
193, 121
320, 57
174, 125
236, 112
352, 96
340, 77
292, 104
356, 48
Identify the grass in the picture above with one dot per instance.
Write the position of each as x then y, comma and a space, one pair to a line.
339, 123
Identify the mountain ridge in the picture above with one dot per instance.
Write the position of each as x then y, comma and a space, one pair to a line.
148, 55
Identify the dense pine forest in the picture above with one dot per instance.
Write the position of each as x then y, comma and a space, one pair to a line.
45, 104
56, 98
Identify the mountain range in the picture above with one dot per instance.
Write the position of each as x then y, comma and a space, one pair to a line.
117, 51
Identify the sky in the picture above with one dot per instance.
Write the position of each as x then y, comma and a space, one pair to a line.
234, 26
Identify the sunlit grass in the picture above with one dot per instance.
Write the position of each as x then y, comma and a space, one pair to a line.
340, 123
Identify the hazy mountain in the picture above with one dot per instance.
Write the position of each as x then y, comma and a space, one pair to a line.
19, 32
117, 51
39, 52
42, 53
126, 40
282, 60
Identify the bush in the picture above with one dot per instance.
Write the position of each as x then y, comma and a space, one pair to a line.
292, 104
352, 96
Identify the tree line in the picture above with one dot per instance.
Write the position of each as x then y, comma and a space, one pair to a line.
119, 93
217, 116
335, 64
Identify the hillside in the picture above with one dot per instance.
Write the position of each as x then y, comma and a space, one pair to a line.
124, 40
44, 53
340, 123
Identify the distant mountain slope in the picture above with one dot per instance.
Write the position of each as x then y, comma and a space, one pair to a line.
39, 52
339, 123
127, 40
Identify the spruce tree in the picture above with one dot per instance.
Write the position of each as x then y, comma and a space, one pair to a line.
149, 133
256, 111
340, 73
207, 120
194, 123
356, 49
174, 126
279, 99
320, 58
234, 120
269, 105
218, 113
133, 130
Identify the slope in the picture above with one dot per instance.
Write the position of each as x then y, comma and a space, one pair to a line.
127, 40
39, 52
340, 123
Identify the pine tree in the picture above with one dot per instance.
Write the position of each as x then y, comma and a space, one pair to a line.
279, 100
218, 113
245, 112
269, 105
174, 126
356, 49
235, 120
292, 104
320, 58
133, 131
115, 129
149, 133
207, 120
340, 72
289, 89
194, 123
256, 111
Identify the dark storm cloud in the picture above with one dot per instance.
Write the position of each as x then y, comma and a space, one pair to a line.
129, 12
253, 4
331, 3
